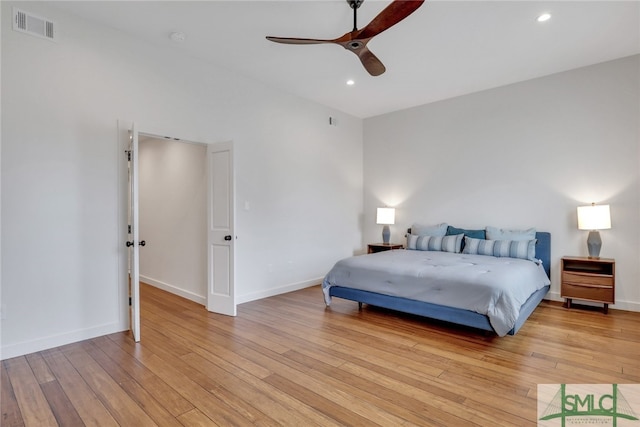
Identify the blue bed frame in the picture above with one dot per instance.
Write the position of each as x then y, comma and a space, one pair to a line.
450, 314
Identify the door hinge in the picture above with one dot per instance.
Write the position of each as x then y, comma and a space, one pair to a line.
129, 301
128, 155
129, 228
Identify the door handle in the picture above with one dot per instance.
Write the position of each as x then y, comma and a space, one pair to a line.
227, 237
129, 243
142, 243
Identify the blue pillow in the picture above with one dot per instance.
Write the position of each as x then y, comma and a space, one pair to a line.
435, 243
523, 249
429, 230
494, 233
476, 234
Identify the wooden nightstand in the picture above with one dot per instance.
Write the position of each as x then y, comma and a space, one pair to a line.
590, 279
379, 247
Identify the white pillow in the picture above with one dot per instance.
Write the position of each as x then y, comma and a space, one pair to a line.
494, 233
429, 230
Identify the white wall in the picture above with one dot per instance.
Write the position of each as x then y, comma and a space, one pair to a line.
522, 155
64, 174
173, 220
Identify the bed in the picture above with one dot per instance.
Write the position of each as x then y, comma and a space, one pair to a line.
491, 293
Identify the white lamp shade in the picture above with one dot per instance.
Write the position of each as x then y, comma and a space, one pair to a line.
386, 216
594, 217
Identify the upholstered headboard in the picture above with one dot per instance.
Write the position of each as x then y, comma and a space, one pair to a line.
543, 249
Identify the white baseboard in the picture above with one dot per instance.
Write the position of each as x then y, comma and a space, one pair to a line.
553, 296
27, 347
174, 290
619, 305
277, 291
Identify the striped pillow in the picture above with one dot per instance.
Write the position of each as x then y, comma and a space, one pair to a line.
524, 249
435, 243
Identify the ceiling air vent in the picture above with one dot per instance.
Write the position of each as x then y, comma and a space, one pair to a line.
34, 25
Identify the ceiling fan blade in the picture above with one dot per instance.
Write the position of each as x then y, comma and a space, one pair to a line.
291, 40
390, 16
371, 63
356, 40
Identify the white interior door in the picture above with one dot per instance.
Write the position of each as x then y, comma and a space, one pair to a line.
133, 242
221, 237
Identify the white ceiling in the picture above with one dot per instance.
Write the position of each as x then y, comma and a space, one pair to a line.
445, 49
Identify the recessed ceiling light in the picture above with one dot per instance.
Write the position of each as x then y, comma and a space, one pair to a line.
544, 17
350, 82
177, 36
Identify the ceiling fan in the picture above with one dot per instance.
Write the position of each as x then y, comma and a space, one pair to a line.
356, 40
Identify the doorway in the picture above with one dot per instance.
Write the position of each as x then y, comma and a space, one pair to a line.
173, 216
218, 229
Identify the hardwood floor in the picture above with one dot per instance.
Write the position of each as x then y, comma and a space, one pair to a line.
288, 360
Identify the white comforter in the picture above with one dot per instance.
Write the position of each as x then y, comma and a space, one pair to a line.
495, 287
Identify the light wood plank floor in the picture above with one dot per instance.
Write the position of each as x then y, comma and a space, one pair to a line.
288, 360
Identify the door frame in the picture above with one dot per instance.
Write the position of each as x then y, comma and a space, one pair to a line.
124, 127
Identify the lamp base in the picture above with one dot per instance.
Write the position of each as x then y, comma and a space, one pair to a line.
594, 243
386, 234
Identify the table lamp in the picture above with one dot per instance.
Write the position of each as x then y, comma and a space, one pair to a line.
594, 218
386, 216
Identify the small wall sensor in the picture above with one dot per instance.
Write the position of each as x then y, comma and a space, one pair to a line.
332, 121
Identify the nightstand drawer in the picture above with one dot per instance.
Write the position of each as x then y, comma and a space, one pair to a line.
586, 279
593, 293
